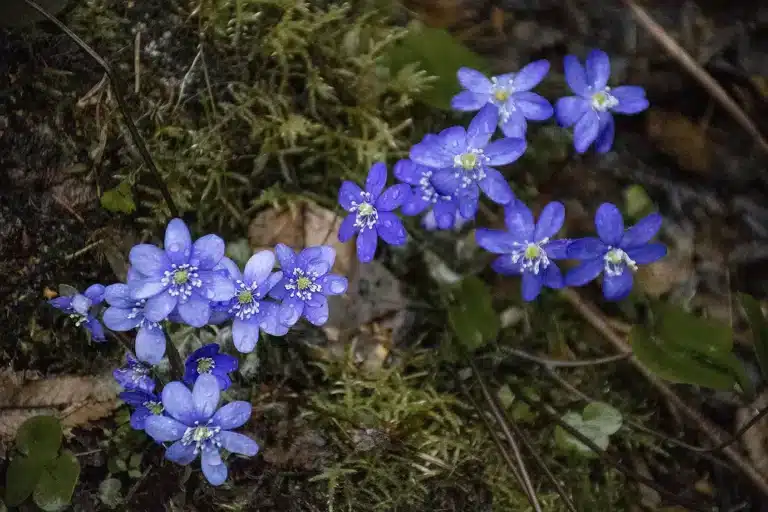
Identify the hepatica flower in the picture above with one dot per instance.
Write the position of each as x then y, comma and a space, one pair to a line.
591, 110
424, 196
526, 248
616, 253
208, 361
180, 276
464, 159
135, 375
144, 404
371, 212
79, 306
249, 307
126, 313
306, 284
510, 94
196, 427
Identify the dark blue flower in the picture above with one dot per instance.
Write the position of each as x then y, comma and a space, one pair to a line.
196, 427
305, 283
591, 110
617, 252
371, 212
423, 196
145, 404
464, 159
135, 375
181, 276
208, 361
526, 247
78, 307
510, 94
125, 314
429, 221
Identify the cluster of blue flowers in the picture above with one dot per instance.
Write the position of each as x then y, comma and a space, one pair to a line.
190, 419
446, 172
193, 283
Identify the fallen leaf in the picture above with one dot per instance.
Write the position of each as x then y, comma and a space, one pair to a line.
681, 139
75, 400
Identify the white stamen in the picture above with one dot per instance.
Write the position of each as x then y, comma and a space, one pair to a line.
302, 284
182, 279
532, 256
616, 261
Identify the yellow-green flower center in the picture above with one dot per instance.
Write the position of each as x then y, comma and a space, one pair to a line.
245, 297
614, 256
205, 365
155, 408
365, 209
180, 277
532, 251
501, 95
201, 434
303, 283
468, 161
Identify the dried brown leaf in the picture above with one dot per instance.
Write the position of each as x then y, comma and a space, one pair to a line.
681, 139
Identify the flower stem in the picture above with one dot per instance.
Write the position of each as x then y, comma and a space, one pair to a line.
177, 365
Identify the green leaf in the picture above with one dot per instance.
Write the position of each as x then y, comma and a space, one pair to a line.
39, 438
604, 417
21, 479
759, 330
239, 251
472, 316
690, 332
57, 483
669, 361
109, 492
119, 199
440, 55
567, 442
638, 204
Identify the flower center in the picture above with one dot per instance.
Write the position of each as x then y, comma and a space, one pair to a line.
501, 95
78, 319
205, 365
367, 215
137, 309
302, 284
616, 261
203, 436
603, 100
182, 279
532, 256
155, 408
468, 161
245, 297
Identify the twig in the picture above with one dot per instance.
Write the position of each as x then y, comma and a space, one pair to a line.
629, 473
138, 140
501, 421
596, 319
555, 363
698, 72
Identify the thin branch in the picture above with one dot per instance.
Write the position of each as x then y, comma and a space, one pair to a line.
715, 434
501, 421
629, 473
555, 363
138, 140
698, 72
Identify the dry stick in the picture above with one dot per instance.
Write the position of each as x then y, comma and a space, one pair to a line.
629, 473
501, 420
135, 135
595, 318
555, 363
698, 72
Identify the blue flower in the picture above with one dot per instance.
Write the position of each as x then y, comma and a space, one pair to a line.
135, 375
145, 404
617, 252
429, 221
371, 212
250, 310
464, 159
125, 314
305, 283
208, 361
510, 94
181, 276
423, 196
526, 247
220, 309
196, 427
591, 110
78, 307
